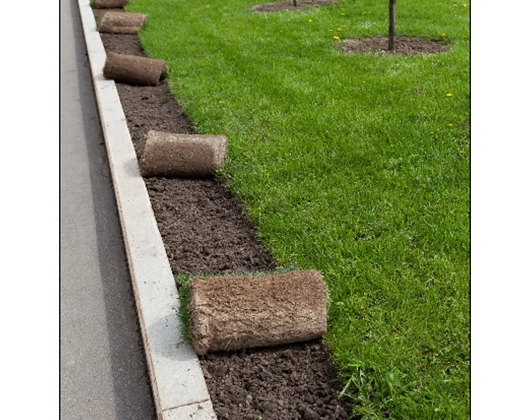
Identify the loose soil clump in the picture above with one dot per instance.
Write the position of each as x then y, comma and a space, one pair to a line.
205, 230
402, 46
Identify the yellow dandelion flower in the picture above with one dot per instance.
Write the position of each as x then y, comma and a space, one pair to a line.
343, 14
455, 5
336, 37
339, 29
443, 35
310, 20
208, 7
449, 94
431, 133
450, 125
465, 5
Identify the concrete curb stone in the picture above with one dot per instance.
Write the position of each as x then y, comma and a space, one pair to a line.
178, 385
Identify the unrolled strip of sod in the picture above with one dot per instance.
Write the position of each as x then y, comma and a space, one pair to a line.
121, 22
182, 155
236, 312
110, 4
139, 71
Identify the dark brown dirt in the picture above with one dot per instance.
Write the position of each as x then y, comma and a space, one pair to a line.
288, 5
108, 4
205, 230
402, 46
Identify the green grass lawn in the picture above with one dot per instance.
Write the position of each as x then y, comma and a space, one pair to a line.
354, 165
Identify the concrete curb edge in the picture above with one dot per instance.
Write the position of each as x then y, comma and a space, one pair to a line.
177, 382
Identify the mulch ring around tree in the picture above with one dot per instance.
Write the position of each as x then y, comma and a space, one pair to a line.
402, 46
205, 230
289, 5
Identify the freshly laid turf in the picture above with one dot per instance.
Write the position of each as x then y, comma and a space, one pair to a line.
355, 165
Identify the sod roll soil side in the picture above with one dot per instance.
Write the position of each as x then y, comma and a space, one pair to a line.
182, 155
236, 312
110, 4
121, 22
134, 70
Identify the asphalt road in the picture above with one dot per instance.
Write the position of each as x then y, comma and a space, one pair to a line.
103, 369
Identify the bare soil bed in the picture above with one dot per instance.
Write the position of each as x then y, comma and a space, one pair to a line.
205, 230
402, 46
288, 5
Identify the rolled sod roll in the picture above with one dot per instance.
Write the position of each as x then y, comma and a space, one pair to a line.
182, 155
110, 4
140, 71
121, 23
236, 312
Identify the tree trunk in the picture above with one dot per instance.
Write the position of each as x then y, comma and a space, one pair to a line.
295, 3
237, 312
392, 25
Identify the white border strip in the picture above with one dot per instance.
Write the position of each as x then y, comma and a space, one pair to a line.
177, 381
